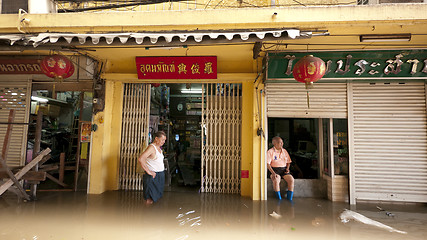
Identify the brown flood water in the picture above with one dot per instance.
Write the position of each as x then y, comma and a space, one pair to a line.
190, 215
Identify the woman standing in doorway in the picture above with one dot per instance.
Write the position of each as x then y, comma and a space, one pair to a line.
151, 161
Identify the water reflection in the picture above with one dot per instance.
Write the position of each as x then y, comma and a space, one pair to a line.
183, 215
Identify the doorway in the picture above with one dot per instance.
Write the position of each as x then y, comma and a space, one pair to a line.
176, 109
65, 127
203, 127
319, 151
300, 137
202, 123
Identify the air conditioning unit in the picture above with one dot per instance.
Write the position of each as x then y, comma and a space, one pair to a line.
41, 6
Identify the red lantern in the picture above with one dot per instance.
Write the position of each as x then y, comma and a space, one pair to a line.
57, 66
155, 84
309, 69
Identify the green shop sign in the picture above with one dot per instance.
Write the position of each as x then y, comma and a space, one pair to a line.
356, 64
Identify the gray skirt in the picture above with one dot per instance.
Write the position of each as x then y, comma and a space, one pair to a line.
153, 187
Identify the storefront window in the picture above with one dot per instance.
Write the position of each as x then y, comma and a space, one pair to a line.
300, 138
340, 147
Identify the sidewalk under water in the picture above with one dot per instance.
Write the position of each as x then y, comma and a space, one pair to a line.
190, 215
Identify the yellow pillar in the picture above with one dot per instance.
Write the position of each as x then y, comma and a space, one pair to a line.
251, 186
105, 153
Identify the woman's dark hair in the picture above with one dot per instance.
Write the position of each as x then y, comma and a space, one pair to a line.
159, 134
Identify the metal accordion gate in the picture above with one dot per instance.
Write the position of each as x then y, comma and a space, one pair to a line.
221, 138
135, 127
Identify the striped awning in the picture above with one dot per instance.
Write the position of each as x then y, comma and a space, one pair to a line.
153, 38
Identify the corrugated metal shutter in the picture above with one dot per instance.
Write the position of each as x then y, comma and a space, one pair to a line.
15, 94
390, 141
290, 100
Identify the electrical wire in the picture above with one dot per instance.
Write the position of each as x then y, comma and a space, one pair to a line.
133, 4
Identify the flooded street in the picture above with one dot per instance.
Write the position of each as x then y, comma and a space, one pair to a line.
188, 215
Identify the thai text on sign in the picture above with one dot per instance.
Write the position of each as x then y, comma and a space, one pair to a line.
192, 67
356, 64
20, 66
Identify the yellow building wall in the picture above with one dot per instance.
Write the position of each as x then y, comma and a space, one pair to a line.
105, 152
252, 144
247, 184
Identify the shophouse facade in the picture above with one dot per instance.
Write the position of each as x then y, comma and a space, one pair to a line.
255, 49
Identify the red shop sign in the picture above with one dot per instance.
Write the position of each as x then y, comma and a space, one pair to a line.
20, 66
200, 67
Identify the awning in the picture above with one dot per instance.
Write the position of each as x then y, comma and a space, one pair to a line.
153, 38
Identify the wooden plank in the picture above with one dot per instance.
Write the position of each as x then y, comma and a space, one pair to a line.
7, 136
24, 170
61, 167
5, 149
84, 86
49, 168
45, 159
36, 149
12, 180
30, 176
56, 180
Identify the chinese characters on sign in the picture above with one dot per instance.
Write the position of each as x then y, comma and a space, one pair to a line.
199, 67
366, 64
20, 66
86, 130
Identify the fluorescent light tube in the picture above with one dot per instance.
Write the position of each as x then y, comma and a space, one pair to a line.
191, 91
385, 38
39, 99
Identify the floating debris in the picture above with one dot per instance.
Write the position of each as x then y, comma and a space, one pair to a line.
183, 214
317, 222
182, 237
389, 214
275, 215
348, 215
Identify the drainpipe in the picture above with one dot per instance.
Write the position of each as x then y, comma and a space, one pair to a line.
261, 134
264, 117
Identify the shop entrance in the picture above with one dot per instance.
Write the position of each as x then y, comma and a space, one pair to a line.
202, 123
176, 109
64, 121
318, 148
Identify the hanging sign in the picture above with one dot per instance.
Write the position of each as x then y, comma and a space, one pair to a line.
356, 64
191, 67
20, 66
86, 130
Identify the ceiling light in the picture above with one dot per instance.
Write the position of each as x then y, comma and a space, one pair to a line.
191, 91
385, 38
39, 99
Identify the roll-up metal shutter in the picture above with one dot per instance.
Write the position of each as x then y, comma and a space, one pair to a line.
290, 100
15, 94
389, 141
